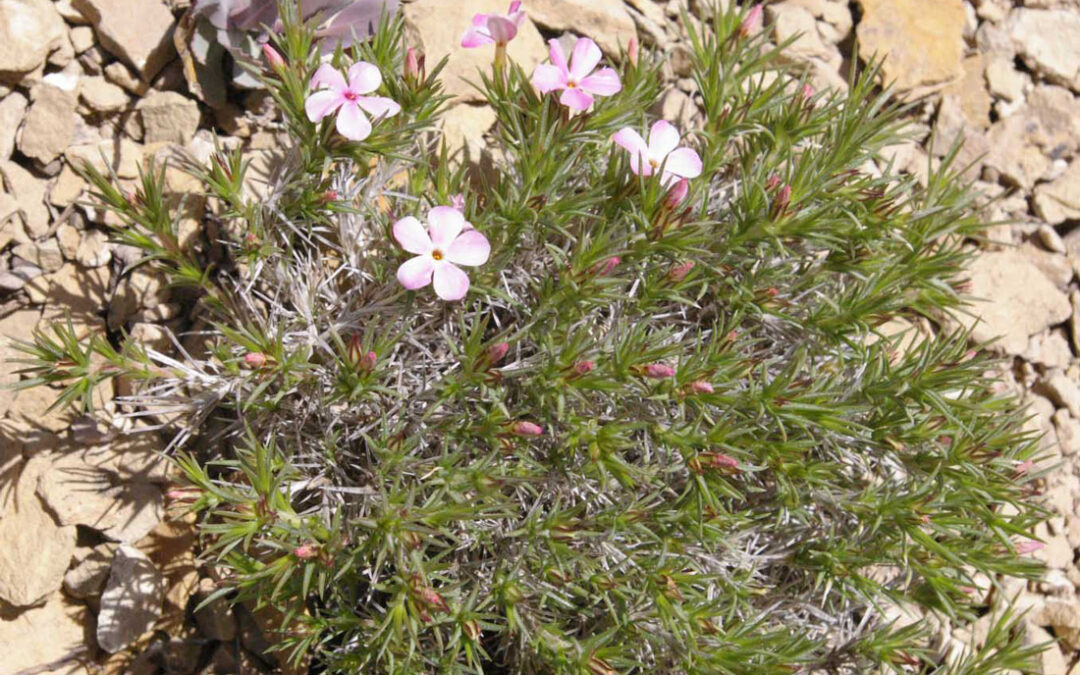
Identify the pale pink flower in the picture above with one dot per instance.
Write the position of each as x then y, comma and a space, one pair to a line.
1023, 467
662, 150
496, 29
439, 249
349, 99
577, 81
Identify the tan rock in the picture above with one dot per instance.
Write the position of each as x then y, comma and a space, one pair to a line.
793, 22
68, 239
29, 30
18, 325
89, 571
119, 154
45, 254
1016, 301
49, 126
72, 292
142, 38
1021, 146
37, 549
605, 21
922, 43
1063, 392
464, 127
168, 117
12, 108
102, 96
82, 38
970, 90
94, 249
1048, 41
29, 192
1059, 200
49, 633
131, 602
440, 25
1050, 349
1004, 80
67, 188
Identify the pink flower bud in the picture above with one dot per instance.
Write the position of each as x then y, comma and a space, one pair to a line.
752, 22
329, 196
584, 367
658, 371
782, 201
273, 58
700, 387
722, 461
526, 429
181, 495
606, 267
632, 49
807, 91
255, 359
679, 272
924, 519
677, 193
773, 182
496, 353
1022, 468
305, 552
1029, 546
412, 64
367, 362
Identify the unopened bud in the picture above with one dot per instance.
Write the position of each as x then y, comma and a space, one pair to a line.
305, 552
328, 196
606, 267
471, 628
782, 201
367, 362
584, 367
273, 57
807, 91
773, 182
181, 495
658, 371
752, 22
677, 193
255, 359
1023, 467
495, 353
632, 49
526, 429
679, 272
700, 387
1029, 546
412, 64
721, 461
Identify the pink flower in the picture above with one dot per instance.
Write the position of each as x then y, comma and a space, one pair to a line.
526, 429
662, 150
658, 371
1023, 467
752, 23
348, 99
1029, 546
445, 244
496, 29
577, 81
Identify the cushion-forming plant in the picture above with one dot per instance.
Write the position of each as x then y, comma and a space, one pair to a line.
617, 397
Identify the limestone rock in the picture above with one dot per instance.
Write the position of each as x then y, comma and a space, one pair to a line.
120, 155
1004, 80
36, 549
1049, 42
48, 633
793, 22
49, 126
29, 193
45, 254
1022, 146
922, 42
168, 117
440, 25
464, 127
607, 22
67, 188
1059, 200
100, 95
1021, 301
29, 30
94, 249
970, 90
18, 325
139, 32
131, 602
12, 109
1063, 392
89, 572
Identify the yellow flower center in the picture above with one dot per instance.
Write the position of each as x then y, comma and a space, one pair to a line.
438, 255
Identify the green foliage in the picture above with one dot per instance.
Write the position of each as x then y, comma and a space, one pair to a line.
373, 484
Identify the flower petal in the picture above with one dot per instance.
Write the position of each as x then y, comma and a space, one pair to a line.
502, 29
475, 38
602, 83
364, 77
412, 236
416, 272
445, 223
558, 57
378, 106
322, 103
585, 57
631, 140
548, 78
576, 99
328, 76
450, 282
352, 123
470, 248
663, 138
683, 162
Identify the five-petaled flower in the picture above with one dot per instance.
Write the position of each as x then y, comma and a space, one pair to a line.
439, 249
349, 99
577, 81
498, 29
662, 152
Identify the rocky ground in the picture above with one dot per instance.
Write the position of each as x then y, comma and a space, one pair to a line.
98, 575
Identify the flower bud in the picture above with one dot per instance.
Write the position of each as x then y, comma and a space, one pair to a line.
523, 428
1022, 468
677, 193
255, 359
367, 362
412, 64
632, 49
273, 57
752, 22
700, 387
721, 461
782, 201
329, 196
606, 267
583, 367
1029, 546
772, 183
305, 551
471, 628
807, 91
658, 371
495, 353
678, 272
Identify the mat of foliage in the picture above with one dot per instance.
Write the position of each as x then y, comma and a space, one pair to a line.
662, 432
